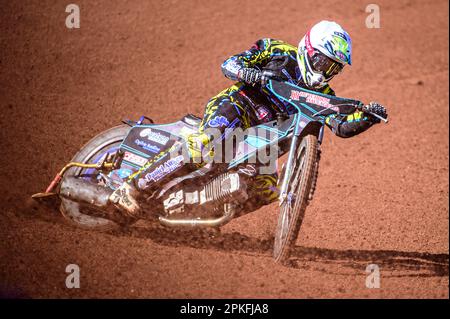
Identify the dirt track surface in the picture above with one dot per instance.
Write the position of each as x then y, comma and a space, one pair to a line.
382, 197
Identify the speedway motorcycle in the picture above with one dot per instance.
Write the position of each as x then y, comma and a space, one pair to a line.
211, 195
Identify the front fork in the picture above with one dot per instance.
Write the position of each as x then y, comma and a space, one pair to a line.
291, 159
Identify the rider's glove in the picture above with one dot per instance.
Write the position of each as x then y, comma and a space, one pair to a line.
249, 75
378, 109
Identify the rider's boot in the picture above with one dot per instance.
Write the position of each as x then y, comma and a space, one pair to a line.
197, 143
124, 198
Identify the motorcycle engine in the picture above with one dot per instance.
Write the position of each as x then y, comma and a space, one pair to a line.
227, 187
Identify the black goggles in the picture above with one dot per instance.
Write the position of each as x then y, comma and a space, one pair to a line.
324, 65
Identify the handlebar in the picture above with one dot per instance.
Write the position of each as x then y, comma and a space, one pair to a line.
346, 107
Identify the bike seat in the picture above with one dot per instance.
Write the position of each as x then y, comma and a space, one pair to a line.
192, 120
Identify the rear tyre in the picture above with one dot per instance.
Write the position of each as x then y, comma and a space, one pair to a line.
300, 189
93, 151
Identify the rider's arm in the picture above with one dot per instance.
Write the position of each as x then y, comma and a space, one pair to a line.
350, 125
256, 55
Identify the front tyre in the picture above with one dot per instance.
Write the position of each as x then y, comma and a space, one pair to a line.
299, 193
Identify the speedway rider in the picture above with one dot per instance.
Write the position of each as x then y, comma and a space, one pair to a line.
321, 54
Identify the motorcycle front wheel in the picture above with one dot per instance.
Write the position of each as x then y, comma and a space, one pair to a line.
299, 193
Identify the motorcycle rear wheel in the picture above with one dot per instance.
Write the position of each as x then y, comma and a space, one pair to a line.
107, 141
292, 210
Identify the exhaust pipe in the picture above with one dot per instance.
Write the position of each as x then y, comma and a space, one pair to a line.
79, 190
229, 211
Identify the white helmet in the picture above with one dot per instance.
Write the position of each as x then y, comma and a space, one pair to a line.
323, 52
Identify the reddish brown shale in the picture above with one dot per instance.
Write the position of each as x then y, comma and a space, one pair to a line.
382, 197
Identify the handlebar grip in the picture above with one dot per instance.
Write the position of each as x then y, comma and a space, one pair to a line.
364, 109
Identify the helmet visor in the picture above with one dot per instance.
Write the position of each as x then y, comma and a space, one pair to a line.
324, 65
